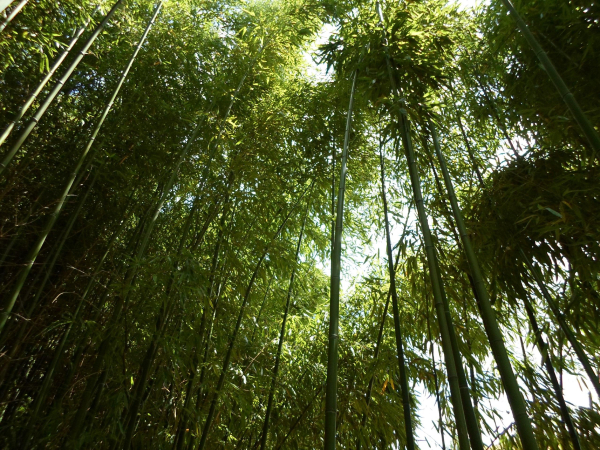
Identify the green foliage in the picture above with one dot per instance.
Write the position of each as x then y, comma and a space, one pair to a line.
268, 133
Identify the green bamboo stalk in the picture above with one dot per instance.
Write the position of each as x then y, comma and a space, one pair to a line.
543, 348
369, 390
214, 291
466, 139
180, 434
410, 439
334, 299
435, 380
225, 368
435, 278
560, 317
443, 314
32, 255
558, 392
588, 130
437, 288
33, 96
200, 394
16, 10
509, 381
50, 266
470, 416
260, 311
55, 91
496, 116
23, 326
265, 430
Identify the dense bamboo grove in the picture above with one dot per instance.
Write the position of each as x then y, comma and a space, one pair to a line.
208, 242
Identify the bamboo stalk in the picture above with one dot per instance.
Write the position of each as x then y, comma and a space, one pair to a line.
334, 296
161, 320
435, 380
300, 417
13, 13
470, 416
583, 359
265, 430
543, 348
369, 390
232, 340
509, 381
410, 439
24, 326
180, 434
435, 279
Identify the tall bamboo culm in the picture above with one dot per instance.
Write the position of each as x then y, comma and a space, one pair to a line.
265, 430
369, 389
560, 318
543, 348
470, 416
509, 381
232, 340
334, 293
410, 439
435, 279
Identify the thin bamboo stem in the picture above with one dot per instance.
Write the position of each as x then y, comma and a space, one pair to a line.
369, 390
334, 296
583, 359
265, 430
33, 253
232, 341
543, 348
404, 389
509, 381
434, 276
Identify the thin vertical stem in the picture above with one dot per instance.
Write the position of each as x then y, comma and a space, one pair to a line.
509, 381
410, 439
435, 278
334, 296
232, 341
265, 430
543, 348
583, 359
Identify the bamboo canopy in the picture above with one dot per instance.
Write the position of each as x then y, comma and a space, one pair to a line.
299, 224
